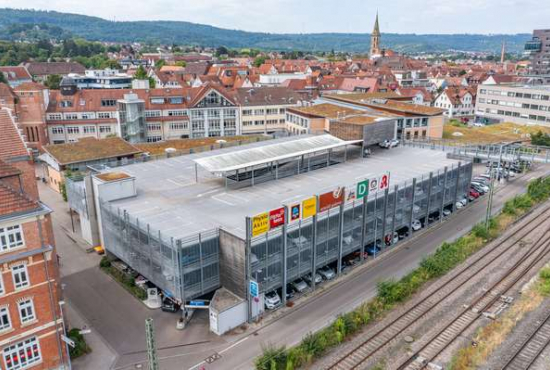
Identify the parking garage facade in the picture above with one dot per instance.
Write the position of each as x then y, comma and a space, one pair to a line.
344, 233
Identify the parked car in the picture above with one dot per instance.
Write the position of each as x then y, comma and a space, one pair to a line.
318, 278
327, 273
459, 205
169, 305
289, 291
479, 185
272, 300
347, 239
403, 233
474, 193
372, 249
447, 212
433, 217
387, 144
478, 189
464, 201
416, 225
299, 285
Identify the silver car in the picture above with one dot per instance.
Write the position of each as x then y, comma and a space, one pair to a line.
299, 285
327, 273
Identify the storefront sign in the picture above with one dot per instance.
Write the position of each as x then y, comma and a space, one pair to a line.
309, 207
254, 289
362, 189
384, 182
373, 185
276, 217
295, 212
331, 199
260, 224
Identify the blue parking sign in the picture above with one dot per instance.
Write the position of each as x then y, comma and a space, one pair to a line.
254, 289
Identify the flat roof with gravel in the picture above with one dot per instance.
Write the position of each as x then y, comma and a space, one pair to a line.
169, 199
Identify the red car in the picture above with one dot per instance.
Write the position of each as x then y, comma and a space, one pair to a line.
474, 193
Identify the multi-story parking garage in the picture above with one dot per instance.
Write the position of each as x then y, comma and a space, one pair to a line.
269, 213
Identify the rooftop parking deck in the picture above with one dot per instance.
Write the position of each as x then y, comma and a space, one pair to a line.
169, 199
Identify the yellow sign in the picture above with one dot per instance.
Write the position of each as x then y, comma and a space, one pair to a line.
260, 224
309, 207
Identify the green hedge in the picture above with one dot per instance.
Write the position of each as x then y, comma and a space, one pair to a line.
81, 347
391, 292
125, 280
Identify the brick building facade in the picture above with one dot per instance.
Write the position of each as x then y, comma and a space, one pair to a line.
31, 321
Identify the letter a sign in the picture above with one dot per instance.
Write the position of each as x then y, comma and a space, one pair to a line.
362, 189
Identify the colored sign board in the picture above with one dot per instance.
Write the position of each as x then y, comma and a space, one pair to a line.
276, 217
254, 289
309, 207
260, 224
362, 189
384, 182
197, 303
295, 212
373, 185
331, 199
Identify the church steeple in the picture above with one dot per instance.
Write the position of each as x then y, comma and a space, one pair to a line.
375, 40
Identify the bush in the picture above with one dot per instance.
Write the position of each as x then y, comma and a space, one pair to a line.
126, 280
105, 262
81, 347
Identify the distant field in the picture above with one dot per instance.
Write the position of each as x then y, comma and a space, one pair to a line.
492, 133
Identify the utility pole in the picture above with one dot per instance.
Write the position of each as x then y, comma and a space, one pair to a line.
152, 358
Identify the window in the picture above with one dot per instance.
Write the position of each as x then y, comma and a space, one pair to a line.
282, 110
152, 113
66, 104
176, 100
26, 310
108, 102
247, 112
87, 115
5, 322
157, 100
213, 113
23, 354
11, 237
176, 113
71, 116
2, 291
89, 129
229, 113
154, 126
73, 129
153, 139
178, 125
20, 276
104, 115
55, 116
272, 111
105, 129
258, 112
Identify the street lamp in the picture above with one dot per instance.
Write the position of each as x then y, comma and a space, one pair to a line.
61, 304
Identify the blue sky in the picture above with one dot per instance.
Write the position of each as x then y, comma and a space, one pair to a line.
295, 16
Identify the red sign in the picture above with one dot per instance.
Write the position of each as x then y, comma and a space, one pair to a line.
331, 199
276, 217
384, 182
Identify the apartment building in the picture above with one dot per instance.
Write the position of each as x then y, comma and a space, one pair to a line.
513, 103
262, 110
457, 102
31, 321
538, 48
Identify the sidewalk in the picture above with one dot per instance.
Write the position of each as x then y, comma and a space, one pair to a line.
74, 259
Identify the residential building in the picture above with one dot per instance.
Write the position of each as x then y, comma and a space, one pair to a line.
262, 110
457, 101
16, 75
538, 48
41, 70
101, 79
513, 103
31, 319
78, 156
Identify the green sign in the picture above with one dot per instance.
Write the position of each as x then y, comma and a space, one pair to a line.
362, 189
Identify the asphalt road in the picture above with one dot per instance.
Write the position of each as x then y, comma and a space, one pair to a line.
359, 286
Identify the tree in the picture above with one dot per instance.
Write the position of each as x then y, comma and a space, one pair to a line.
141, 73
181, 63
160, 63
540, 138
52, 82
259, 60
222, 50
3, 78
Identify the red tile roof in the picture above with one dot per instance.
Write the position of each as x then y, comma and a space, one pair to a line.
7, 171
11, 141
12, 201
15, 73
54, 68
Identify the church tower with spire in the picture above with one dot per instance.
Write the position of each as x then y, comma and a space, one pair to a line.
375, 40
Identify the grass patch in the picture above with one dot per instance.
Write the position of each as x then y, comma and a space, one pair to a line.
81, 348
492, 133
392, 293
123, 279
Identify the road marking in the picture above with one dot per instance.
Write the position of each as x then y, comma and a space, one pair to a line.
234, 345
208, 192
221, 200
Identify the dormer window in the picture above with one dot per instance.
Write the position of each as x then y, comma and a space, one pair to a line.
66, 104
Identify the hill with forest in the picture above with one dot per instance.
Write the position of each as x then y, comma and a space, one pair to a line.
29, 25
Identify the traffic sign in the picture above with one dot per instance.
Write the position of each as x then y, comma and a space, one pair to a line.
362, 189
254, 289
68, 340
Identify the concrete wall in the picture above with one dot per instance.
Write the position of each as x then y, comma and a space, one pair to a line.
232, 263
378, 132
222, 322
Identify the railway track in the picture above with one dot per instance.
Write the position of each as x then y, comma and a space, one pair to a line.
529, 351
360, 354
486, 303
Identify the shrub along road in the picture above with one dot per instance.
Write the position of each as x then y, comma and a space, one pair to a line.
319, 311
